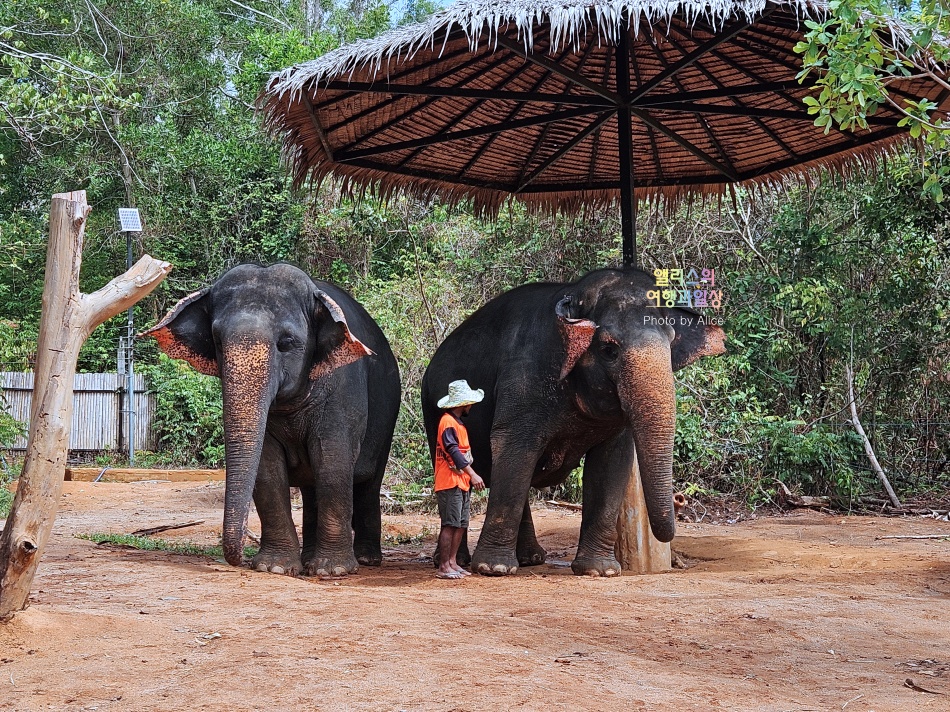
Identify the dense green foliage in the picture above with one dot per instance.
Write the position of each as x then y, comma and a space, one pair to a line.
152, 109
852, 55
188, 414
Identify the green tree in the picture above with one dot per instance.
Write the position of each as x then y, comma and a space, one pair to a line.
856, 52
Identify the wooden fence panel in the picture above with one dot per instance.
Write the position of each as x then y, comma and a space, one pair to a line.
97, 409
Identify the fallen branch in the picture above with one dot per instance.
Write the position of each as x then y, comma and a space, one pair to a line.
915, 536
166, 527
565, 505
875, 465
917, 688
787, 497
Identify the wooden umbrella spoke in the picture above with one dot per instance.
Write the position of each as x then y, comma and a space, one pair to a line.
723, 154
723, 92
683, 143
657, 163
564, 150
348, 155
427, 175
553, 67
542, 136
468, 64
732, 93
403, 74
463, 116
512, 114
687, 60
750, 111
467, 93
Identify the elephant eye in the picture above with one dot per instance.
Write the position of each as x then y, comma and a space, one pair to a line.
286, 343
610, 350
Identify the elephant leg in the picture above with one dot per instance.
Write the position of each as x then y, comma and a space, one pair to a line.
511, 479
529, 551
280, 547
309, 497
607, 469
333, 551
367, 521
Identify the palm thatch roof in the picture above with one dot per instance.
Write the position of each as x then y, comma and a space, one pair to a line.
490, 99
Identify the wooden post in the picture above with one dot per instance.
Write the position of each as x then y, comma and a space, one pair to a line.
67, 319
636, 549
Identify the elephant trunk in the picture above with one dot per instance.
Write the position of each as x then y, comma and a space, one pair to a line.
246, 387
648, 395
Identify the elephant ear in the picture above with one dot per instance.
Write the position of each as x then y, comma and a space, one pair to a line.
185, 333
337, 346
694, 339
575, 333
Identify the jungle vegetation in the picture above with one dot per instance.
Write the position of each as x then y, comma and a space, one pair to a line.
149, 103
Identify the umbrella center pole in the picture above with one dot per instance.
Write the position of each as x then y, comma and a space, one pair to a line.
628, 201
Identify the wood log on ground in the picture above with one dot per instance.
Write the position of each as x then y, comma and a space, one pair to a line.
789, 499
136, 474
565, 505
68, 317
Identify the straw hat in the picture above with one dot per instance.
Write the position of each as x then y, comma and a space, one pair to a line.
460, 394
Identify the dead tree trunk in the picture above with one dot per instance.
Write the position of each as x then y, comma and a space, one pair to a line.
67, 319
637, 549
868, 450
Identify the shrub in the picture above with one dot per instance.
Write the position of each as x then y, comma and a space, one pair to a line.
188, 413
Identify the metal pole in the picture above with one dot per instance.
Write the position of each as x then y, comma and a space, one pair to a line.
130, 374
628, 202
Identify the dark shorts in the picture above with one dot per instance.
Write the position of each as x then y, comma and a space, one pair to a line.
454, 507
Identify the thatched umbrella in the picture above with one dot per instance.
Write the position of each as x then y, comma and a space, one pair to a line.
566, 103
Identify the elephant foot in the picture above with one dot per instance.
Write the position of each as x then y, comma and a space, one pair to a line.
596, 566
531, 554
277, 562
327, 566
367, 550
495, 562
370, 559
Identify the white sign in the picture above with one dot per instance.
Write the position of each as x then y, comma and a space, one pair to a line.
129, 219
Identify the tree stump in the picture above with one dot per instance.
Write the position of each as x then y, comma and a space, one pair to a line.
637, 549
68, 317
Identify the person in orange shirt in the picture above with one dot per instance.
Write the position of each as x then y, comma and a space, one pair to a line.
454, 476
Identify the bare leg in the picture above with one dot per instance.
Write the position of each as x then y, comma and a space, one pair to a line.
457, 536
449, 540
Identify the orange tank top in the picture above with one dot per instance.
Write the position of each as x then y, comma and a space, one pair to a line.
446, 476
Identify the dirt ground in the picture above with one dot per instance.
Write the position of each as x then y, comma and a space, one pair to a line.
802, 612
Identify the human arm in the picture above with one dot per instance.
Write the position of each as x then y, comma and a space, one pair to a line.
478, 483
462, 463
450, 443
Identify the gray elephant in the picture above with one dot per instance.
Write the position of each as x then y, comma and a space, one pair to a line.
570, 371
311, 393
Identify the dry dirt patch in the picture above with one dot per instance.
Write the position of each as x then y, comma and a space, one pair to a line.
803, 612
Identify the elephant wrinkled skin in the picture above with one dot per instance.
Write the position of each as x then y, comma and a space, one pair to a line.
311, 392
570, 371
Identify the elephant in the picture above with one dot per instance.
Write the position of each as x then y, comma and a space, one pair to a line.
570, 371
311, 391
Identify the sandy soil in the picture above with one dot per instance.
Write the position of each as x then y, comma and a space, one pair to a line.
802, 612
